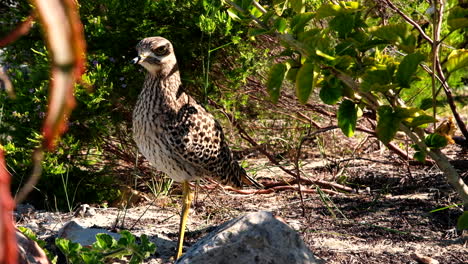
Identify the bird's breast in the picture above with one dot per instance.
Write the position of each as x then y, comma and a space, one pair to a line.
150, 138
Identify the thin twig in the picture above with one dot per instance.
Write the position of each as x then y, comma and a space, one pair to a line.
20, 30
37, 157
270, 157
298, 172
269, 190
409, 20
254, 18
259, 7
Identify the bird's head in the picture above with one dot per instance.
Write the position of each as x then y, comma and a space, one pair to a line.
156, 55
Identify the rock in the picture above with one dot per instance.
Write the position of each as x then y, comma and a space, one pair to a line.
254, 238
24, 211
29, 251
74, 232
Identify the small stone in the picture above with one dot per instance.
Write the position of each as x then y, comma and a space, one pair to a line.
85, 211
24, 211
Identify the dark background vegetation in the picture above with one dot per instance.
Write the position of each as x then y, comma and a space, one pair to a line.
97, 153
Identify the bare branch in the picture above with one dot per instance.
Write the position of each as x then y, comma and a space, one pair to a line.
20, 30
37, 158
444, 165
409, 20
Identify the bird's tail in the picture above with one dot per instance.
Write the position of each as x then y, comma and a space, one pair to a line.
247, 180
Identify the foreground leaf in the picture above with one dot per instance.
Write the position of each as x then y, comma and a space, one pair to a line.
435, 141
275, 80
281, 25
400, 34
299, 21
457, 59
387, 124
419, 156
297, 5
407, 68
347, 117
304, 82
457, 18
421, 120
104, 241
331, 91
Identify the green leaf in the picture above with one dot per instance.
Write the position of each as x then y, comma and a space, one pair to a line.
421, 120
387, 124
343, 24
400, 34
331, 91
435, 141
426, 103
126, 238
233, 14
344, 62
299, 21
316, 40
457, 59
104, 241
254, 11
462, 223
406, 112
347, 117
275, 80
419, 156
378, 78
413, 116
206, 24
305, 80
292, 74
327, 10
407, 68
146, 246
297, 5
457, 18
281, 24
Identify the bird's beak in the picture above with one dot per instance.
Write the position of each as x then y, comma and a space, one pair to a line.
136, 60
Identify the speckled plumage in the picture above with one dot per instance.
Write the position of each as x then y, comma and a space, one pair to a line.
175, 133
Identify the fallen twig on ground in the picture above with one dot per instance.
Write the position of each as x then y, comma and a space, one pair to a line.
281, 186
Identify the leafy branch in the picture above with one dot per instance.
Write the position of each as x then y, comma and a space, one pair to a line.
354, 63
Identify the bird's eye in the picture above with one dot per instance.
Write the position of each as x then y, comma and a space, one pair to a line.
160, 51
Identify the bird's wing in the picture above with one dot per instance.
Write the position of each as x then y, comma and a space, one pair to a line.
197, 138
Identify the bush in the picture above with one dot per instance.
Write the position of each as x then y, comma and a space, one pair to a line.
84, 166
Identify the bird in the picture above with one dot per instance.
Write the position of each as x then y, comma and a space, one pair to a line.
174, 133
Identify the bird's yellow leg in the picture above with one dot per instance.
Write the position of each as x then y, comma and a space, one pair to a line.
187, 197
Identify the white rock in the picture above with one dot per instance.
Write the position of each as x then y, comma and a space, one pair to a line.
74, 232
254, 238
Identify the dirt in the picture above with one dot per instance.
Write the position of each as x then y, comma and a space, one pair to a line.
387, 219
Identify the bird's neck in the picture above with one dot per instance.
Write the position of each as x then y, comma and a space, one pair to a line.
163, 89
